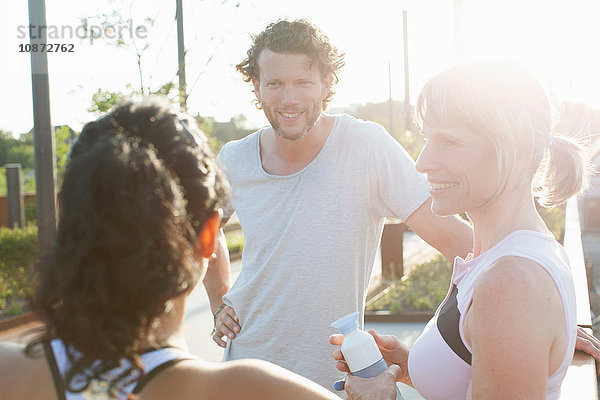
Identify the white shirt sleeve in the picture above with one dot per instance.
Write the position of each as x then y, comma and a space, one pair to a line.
396, 186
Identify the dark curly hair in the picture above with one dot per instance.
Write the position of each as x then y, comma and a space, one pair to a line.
138, 186
298, 37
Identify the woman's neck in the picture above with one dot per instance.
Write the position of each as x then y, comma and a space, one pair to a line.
169, 328
509, 212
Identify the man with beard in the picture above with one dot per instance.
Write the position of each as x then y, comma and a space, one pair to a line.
312, 192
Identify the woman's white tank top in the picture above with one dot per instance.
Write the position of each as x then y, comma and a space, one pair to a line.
154, 361
440, 360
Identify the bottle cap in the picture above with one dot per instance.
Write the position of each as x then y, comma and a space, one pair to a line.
347, 323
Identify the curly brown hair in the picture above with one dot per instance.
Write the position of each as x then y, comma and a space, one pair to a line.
297, 37
138, 186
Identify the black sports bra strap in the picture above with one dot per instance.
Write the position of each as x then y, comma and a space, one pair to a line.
59, 383
448, 324
147, 377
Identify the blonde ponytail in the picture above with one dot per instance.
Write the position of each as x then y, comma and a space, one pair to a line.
564, 171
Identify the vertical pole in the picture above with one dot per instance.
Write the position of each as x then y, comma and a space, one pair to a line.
14, 196
391, 102
43, 132
392, 251
181, 54
459, 22
407, 113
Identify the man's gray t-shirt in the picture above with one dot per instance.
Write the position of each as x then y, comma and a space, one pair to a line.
311, 239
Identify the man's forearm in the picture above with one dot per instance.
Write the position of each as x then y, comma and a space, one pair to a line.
450, 235
218, 276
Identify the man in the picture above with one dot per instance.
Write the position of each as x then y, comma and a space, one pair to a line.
312, 192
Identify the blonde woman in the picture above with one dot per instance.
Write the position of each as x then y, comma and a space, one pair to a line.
507, 327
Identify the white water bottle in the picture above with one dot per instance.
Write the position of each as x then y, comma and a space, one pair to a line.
360, 350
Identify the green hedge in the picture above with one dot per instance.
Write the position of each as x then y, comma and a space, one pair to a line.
423, 290
235, 241
18, 254
555, 220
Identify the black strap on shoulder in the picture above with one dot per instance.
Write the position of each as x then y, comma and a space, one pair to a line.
448, 324
147, 377
59, 383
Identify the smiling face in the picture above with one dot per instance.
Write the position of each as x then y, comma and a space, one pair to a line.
461, 168
291, 91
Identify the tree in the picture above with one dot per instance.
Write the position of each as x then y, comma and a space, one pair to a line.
104, 100
219, 133
64, 139
2, 180
410, 139
22, 151
16, 150
7, 141
116, 18
119, 13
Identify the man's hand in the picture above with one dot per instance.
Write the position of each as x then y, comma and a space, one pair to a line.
588, 344
226, 324
381, 387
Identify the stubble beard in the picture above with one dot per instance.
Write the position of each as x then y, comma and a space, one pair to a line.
311, 120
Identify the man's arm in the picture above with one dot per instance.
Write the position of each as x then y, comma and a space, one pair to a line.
451, 236
217, 282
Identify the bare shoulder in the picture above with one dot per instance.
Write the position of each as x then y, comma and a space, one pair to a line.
518, 289
185, 380
256, 379
516, 330
515, 274
24, 376
248, 379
